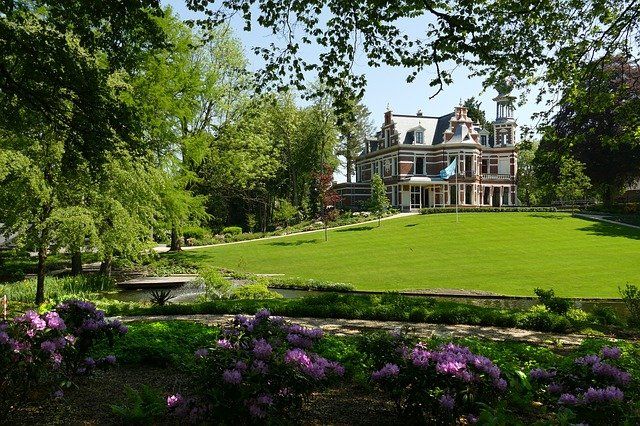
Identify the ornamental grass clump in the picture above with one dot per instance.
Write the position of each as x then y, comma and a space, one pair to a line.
42, 352
446, 384
261, 369
591, 387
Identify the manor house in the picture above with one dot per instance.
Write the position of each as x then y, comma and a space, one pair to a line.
410, 151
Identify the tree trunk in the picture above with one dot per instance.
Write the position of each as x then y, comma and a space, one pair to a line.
105, 266
42, 258
175, 240
76, 263
349, 167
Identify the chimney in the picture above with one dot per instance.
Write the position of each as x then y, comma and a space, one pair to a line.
419, 113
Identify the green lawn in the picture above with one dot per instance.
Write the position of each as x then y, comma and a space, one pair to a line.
507, 253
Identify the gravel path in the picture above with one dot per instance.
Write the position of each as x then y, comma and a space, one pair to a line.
422, 330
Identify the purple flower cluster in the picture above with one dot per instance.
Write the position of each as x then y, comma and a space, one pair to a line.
611, 352
540, 374
262, 349
438, 383
261, 365
232, 377
593, 396
591, 384
301, 337
447, 402
388, 371
258, 406
313, 365
55, 342
606, 370
457, 361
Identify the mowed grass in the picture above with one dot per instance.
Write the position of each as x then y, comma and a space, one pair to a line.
505, 253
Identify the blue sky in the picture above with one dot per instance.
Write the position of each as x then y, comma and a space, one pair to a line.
387, 85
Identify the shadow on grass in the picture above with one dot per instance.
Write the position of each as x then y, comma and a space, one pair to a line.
411, 225
610, 230
293, 243
356, 229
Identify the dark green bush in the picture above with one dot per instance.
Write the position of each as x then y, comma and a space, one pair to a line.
195, 232
232, 230
606, 316
555, 304
631, 297
433, 210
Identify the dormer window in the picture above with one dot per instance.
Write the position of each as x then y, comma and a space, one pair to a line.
419, 137
483, 140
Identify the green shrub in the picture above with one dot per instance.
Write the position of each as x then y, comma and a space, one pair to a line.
578, 316
631, 298
540, 318
232, 230
433, 210
142, 407
306, 284
254, 291
195, 232
605, 315
216, 286
555, 304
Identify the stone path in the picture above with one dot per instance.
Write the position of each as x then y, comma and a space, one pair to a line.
603, 218
164, 248
343, 327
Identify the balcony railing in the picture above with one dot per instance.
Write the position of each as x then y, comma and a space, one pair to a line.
496, 176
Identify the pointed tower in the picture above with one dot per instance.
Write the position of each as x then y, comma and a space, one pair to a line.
504, 126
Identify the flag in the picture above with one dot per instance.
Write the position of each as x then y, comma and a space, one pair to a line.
449, 171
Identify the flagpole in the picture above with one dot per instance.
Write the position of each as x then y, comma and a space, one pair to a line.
457, 192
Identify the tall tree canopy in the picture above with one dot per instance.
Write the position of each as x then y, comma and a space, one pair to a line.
525, 39
598, 124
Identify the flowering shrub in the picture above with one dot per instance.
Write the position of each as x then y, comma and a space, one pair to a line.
261, 368
37, 351
442, 384
591, 387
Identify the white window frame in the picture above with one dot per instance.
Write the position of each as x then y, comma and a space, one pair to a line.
419, 140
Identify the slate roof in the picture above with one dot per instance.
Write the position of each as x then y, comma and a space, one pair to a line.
434, 127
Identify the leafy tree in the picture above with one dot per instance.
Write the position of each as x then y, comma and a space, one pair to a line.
475, 112
64, 105
328, 197
284, 212
573, 183
379, 200
356, 126
527, 181
529, 39
74, 229
597, 124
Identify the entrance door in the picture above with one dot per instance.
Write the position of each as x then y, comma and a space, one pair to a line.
487, 195
416, 197
496, 196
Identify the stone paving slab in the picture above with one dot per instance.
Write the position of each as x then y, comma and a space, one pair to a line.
342, 327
